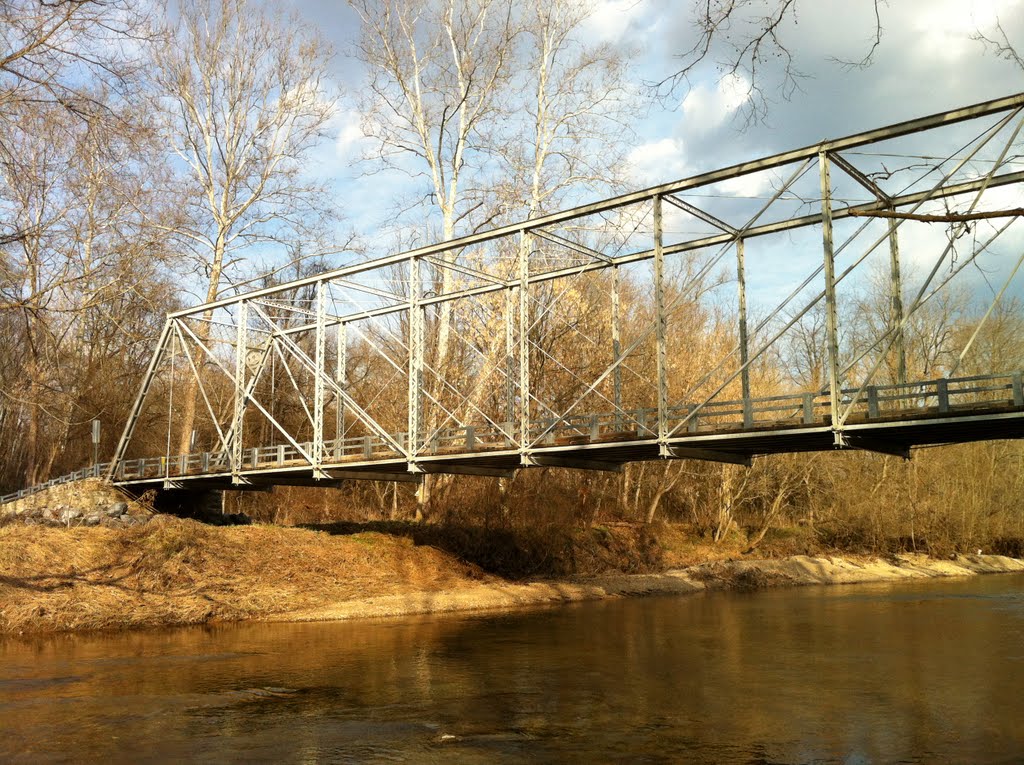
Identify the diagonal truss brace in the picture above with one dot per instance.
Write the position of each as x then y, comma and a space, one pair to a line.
582, 249
252, 399
350, 402
696, 212
225, 439
147, 383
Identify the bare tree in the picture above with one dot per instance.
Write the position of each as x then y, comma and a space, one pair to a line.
81, 276
55, 55
502, 107
576, 110
437, 76
243, 100
70, 238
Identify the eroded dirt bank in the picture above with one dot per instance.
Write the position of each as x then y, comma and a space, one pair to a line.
797, 570
172, 571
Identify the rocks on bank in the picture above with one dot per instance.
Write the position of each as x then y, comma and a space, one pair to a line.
94, 502
90, 502
114, 515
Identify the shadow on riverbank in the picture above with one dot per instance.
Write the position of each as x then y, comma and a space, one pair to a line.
543, 551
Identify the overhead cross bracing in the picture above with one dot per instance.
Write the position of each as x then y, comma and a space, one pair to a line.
783, 304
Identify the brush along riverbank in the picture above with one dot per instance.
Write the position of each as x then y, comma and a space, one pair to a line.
171, 571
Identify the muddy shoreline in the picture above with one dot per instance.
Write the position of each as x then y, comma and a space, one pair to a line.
748, 575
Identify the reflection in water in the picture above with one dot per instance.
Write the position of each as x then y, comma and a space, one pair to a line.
874, 673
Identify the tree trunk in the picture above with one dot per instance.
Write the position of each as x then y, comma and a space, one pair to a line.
190, 395
664, 487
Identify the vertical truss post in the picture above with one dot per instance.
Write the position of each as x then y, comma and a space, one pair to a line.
896, 301
617, 347
661, 324
341, 377
831, 316
273, 387
741, 285
415, 356
510, 361
320, 360
241, 342
525, 243
170, 410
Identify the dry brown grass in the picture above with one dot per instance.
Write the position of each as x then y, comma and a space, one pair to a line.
174, 571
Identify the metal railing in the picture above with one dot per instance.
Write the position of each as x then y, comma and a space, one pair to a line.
879, 402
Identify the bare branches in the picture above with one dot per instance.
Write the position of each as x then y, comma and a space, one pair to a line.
876, 41
58, 54
751, 39
242, 101
82, 274
575, 114
748, 40
999, 43
438, 72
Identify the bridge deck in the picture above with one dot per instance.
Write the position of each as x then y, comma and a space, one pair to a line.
891, 419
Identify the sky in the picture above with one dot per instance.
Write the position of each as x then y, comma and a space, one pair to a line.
926, 62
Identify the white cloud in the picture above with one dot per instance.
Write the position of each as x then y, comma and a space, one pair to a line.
657, 161
707, 107
349, 134
945, 31
611, 19
749, 186
940, 34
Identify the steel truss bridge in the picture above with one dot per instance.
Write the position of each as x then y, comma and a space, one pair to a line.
792, 303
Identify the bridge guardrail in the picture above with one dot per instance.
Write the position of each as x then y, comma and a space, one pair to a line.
805, 408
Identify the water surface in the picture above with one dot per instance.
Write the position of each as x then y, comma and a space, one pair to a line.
915, 673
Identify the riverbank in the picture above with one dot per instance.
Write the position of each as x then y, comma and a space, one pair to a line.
171, 571
799, 570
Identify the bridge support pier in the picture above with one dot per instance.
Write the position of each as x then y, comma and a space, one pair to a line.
189, 503
205, 505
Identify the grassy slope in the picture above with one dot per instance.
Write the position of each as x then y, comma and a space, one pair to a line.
174, 571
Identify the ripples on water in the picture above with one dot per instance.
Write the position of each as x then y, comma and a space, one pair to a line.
915, 673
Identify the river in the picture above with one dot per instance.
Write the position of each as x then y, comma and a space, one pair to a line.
911, 673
